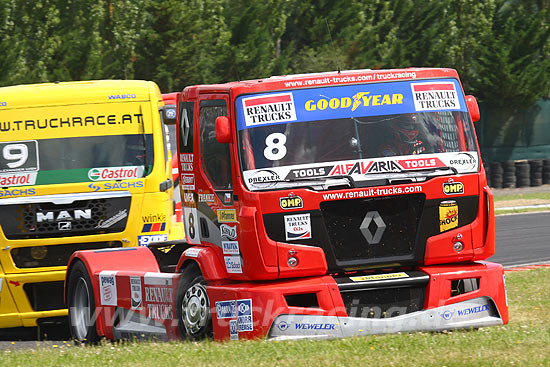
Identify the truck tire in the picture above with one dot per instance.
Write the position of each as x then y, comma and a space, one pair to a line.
193, 306
80, 300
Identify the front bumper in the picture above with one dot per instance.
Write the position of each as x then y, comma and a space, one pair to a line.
318, 307
475, 313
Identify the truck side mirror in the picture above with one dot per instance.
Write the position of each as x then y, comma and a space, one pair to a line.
473, 108
168, 114
223, 130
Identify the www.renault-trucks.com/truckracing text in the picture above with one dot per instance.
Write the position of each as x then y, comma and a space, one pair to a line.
316, 205
83, 165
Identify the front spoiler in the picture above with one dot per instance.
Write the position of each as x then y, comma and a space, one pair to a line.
474, 313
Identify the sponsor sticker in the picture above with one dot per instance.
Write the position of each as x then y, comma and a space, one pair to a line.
18, 179
453, 188
226, 309
136, 294
268, 109
113, 220
297, 227
447, 315
230, 247
233, 330
437, 95
227, 215
186, 162
244, 315
192, 252
189, 198
115, 185
187, 181
233, 264
228, 231
464, 162
366, 278
154, 227
314, 326
472, 310
291, 202
206, 198
107, 288
17, 192
448, 215
147, 239
263, 178
158, 302
152, 218
115, 173
421, 163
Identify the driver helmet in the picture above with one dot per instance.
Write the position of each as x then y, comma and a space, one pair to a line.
405, 128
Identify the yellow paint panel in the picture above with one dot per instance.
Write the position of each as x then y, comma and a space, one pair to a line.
75, 120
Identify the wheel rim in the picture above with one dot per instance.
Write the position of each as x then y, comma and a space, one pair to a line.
80, 310
195, 309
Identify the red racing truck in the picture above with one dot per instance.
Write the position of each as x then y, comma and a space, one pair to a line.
316, 205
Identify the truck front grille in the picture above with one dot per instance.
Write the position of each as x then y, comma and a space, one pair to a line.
49, 219
369, 229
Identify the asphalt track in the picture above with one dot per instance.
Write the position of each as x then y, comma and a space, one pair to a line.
520, 239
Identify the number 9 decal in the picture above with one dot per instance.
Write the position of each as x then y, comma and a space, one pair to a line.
15, 152
275, 146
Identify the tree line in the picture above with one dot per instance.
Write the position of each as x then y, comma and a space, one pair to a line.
500, 48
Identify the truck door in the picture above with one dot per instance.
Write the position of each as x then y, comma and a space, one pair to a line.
208, 191
215, 157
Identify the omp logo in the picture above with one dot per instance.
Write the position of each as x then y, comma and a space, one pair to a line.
364, 99
3, 104
291, 202
63, 215
453, 188
122, 96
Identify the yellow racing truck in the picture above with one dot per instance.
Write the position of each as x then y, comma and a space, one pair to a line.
83, 165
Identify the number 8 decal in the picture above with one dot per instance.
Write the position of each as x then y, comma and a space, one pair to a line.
275, 146
191, 225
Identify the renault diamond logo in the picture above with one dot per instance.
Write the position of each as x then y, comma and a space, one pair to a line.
373, 239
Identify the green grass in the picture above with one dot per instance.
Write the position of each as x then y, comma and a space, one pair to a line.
527, 196
524, 341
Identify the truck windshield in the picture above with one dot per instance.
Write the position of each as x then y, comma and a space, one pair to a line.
77, 159
360, 131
